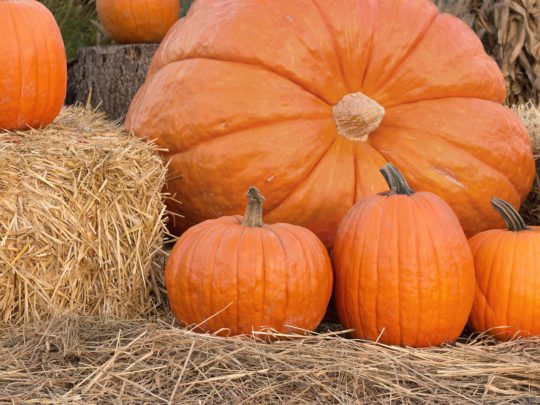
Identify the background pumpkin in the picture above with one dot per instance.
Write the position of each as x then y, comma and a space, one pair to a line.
283, 94
33, 67
403, 267
134, 21
507, 302
240, 275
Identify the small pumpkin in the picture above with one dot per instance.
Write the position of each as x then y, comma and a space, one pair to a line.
307, 99
507, 265
403, 268
33, 67
237, 275
137, 21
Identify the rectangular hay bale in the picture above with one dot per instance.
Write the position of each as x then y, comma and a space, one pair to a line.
81, 220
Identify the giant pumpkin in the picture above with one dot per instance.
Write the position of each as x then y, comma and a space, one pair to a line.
306, 99
33, 67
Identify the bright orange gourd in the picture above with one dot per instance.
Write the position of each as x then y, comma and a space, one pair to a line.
134, 21
33, 67
238, 275
306, 99
507, 264
403, 267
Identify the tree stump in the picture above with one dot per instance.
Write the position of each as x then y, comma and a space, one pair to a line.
109, 76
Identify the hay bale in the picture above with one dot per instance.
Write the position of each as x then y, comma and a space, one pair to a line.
530, 116
81, 219
510, 32
100, 361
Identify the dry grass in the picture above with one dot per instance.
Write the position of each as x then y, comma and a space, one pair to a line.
530, 116
80, 219
88, 360
510, 31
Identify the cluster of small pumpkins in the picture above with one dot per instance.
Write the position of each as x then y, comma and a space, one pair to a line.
404, 272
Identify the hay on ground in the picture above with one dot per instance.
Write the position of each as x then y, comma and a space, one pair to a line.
510, 32
88, 360
80, 219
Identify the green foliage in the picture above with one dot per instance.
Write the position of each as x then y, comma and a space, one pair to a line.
186, 4
78, 22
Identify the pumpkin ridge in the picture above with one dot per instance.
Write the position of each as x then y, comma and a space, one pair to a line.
286, 256
36, 68
221, 238
424, 134
456, 266
19, 70
437, 261
335, 46
238, 280
241, 128
486, 293
196, 245
303, 180
511, 283
259, 65
356, 175
413, 48
263, 264
45, 111
361, 276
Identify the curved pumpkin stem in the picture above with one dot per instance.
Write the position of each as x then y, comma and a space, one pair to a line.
253, 216
395, 180
512, 218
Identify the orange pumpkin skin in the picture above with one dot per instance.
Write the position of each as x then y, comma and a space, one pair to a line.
33, 67
276, 276
281, 107
507, 265
138, 21
403, 271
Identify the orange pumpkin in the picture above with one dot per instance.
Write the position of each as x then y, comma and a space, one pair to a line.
238, 275
306, 99
134, 21
33, 67
403, 267
507, 264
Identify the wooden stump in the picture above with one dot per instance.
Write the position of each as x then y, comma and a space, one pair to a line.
110, 75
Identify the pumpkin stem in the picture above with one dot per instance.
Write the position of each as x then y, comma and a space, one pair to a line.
356, 116
395, 180
253, 216
512, 218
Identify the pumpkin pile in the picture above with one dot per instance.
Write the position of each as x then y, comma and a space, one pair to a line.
374, 128
308, 101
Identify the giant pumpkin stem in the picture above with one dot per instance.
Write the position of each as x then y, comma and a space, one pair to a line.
356, 116
512, 218
253, 216
395, 180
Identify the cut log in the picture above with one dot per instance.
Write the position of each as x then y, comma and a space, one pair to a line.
109, 76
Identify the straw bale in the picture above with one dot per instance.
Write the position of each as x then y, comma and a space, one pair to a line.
510, 31
530, 116
91, 361
81, 219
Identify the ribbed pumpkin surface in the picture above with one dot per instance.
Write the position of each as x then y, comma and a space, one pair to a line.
258, 92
